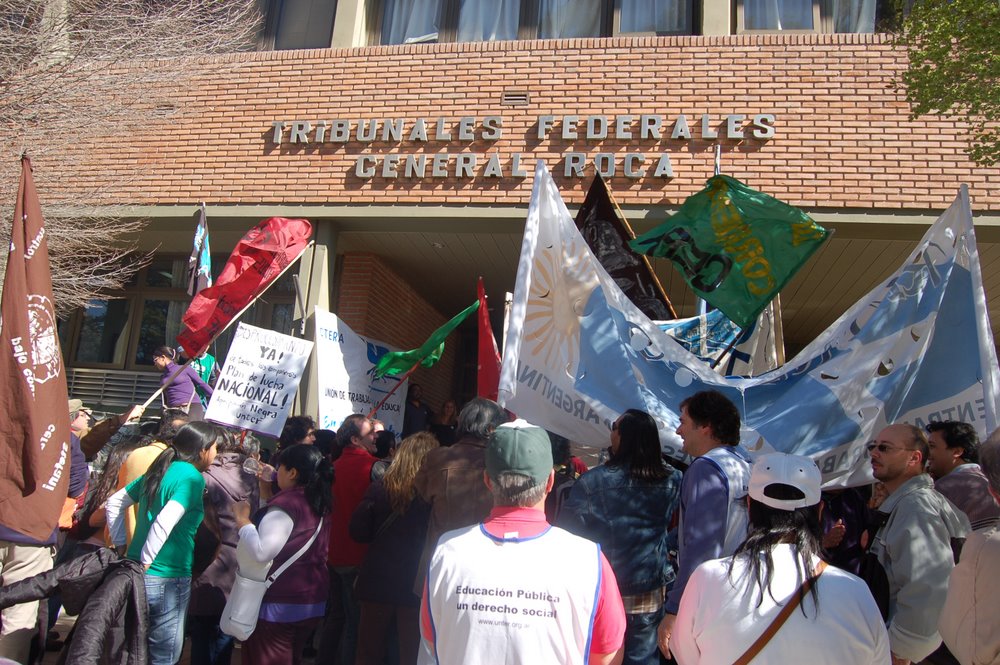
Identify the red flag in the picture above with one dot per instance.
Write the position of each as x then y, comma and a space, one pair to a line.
34, 430
260, 256
489, 356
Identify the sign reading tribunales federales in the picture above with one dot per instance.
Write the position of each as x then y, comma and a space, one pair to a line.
636, 130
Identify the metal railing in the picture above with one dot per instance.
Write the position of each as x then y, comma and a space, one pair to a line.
111, 389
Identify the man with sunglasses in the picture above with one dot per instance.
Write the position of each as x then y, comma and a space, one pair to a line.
914, 545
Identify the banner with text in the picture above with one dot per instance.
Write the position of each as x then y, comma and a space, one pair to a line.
917, 348
257, 386
347, 382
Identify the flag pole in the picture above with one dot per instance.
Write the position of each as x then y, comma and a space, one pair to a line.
391, 392
224, 328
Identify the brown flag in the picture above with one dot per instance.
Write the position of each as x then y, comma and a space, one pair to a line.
34, 430
607, 234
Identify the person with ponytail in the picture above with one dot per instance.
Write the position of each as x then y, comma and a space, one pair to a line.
182, 393
170, 509
294, 605
776, 586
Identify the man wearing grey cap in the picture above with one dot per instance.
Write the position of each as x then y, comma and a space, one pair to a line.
514, 589
774, 600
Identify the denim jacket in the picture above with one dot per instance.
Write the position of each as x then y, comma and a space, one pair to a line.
629, 519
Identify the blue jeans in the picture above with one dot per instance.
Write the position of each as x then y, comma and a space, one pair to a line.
209, 645
640, 638
167, 598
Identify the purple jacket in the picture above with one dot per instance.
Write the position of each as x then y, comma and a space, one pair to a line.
184, 388
226, 483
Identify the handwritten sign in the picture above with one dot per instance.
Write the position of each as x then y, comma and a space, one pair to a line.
257, 386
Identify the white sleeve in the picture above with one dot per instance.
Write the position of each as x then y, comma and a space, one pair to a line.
115, 508
265, 543
160, 530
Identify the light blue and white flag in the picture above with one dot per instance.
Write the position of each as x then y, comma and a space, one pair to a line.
727, 348
917, 348
199, 268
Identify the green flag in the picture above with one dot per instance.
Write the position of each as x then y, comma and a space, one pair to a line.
427, 354
735, 247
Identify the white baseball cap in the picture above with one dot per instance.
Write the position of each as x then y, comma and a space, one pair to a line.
784, 469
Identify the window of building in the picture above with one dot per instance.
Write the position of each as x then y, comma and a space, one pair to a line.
488, 20
123, 332
416, 21
661, 17
104, 333
562, 19
293, 24
806, 15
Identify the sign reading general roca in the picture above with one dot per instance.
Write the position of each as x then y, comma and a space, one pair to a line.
347, 382
257, 385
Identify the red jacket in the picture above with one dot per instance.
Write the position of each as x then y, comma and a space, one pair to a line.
352, 474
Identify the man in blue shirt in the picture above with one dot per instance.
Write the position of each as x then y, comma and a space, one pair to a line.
713, 508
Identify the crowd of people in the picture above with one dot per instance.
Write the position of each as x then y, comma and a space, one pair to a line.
476, 537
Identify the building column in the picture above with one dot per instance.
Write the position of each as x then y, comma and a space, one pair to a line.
315, 277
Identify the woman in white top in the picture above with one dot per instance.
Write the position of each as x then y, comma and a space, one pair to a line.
729, 603
295, 603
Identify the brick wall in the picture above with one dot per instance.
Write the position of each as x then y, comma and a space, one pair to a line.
376, 302
844, 139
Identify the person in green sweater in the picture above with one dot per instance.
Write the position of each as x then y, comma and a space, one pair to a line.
169, 496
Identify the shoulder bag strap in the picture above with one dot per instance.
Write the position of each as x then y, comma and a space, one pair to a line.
295, 557
783, 615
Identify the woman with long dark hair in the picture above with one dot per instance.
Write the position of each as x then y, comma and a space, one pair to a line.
226, 483
394, 520
169, 496
294, 605
729, 603
182, 393
626, 505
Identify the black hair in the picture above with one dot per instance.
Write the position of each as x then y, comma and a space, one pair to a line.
168, 352
296, 428
326, 440
385, 441
103, 487
639, 447
770, 527
169, 426
228, 442
958, 435
561, 452
315, 474
191, 440
479, 418
712, 408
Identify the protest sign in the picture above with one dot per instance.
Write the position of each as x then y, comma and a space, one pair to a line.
347, 382
257, 385
917, 348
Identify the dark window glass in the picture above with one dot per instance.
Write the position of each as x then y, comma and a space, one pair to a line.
104, 332
160, 324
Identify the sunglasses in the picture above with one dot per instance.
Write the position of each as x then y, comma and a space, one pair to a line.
884, 448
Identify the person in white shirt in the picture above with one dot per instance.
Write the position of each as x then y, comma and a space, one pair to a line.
728, 604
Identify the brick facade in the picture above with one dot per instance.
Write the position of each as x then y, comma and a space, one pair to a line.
375, 301
843, 137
